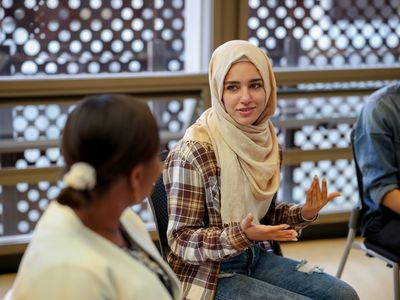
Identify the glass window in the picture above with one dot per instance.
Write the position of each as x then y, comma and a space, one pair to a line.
326, 33
322, 34
91, 37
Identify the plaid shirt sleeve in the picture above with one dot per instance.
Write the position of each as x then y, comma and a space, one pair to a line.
191, 181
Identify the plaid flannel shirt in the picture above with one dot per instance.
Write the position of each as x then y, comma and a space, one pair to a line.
191, 178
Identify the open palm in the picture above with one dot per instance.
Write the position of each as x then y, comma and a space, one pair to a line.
317, 198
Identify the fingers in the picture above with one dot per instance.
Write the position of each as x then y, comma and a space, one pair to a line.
314, 193
283, 233
320, 195
250, 217
310, 193
267, 232
324, 188
316, 198
281, 227
286, 235
247, 221
323, 197
326, 198
333, 195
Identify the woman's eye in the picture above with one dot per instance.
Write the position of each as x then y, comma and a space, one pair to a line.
231, 87
255, 86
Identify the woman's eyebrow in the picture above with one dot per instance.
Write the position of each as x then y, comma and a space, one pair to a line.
238, 82
231, 82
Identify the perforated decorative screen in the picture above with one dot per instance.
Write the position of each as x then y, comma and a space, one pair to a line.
321, 34
39, 37
22, 205
325, 32
70, 37
310, 123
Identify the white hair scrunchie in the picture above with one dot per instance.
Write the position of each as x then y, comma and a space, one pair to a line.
81, 176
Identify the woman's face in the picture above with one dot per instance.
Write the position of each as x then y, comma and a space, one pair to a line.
243, 93
151, 172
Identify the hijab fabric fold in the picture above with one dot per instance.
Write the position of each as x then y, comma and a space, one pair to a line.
248, 156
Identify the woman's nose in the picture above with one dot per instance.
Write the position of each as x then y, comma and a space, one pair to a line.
245, 95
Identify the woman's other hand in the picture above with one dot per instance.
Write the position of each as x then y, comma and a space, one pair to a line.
317, 198
257, 232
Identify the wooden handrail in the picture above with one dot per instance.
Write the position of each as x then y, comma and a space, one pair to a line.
32, 175
29, 87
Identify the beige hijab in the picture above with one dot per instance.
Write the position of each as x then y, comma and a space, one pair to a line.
247, 155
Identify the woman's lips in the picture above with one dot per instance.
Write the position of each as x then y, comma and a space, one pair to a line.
245, 111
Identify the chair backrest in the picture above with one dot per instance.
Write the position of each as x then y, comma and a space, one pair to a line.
355, 221
159, 206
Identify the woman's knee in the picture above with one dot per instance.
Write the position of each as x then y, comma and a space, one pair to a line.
344, 291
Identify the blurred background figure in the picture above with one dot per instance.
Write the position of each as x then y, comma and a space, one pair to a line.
377, 146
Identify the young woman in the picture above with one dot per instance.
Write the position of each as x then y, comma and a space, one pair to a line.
89, 244
222, 179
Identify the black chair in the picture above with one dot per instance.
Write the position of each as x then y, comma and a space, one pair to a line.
372, 250
159, 205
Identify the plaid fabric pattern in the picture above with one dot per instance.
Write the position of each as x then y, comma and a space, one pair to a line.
191, 178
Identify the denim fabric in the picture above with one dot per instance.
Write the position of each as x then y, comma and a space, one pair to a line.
256, 274
377, 144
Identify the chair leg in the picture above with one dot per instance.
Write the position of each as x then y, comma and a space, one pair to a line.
396, 283
349, 242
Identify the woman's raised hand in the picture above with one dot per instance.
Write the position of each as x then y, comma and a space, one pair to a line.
317, 198
257, 232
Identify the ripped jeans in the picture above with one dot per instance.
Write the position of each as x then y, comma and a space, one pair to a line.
256, 274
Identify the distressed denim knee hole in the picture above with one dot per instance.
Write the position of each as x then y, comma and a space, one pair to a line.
226, 275
306, 267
